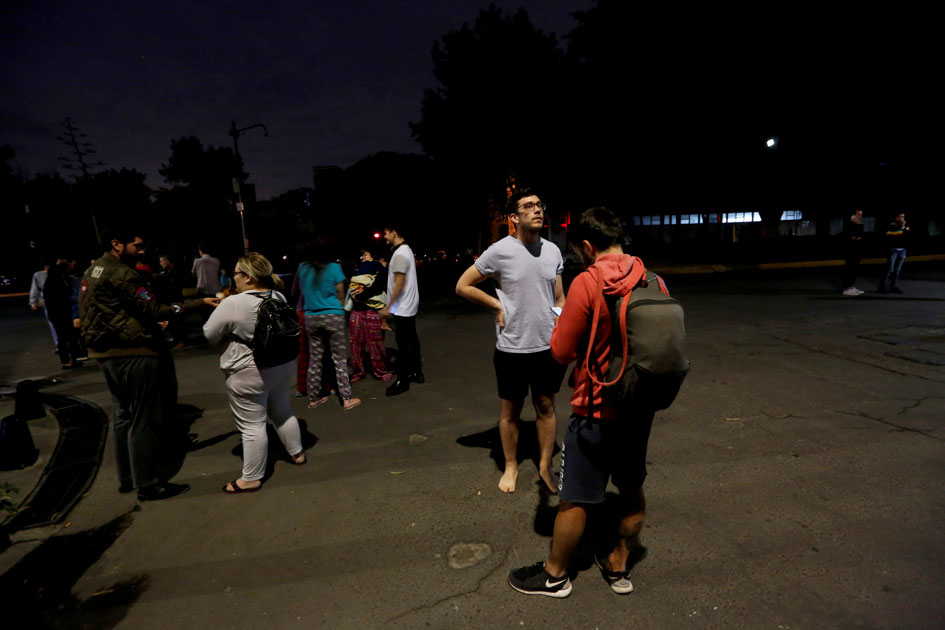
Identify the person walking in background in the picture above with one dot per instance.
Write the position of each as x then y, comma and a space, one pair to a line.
527, 272
207, 270
322, 285
168, 286
897, 237
403, 302
853, 243
36, 299
57, 296
367, 298
74, 280
257, 395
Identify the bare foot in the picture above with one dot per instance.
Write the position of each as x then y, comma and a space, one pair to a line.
299, 458
507, 482
351, 403
549, 481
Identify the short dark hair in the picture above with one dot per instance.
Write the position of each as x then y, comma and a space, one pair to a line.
598, 226
122, 234
517, 195
396, 225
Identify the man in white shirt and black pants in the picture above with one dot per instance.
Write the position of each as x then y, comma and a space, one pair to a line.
403, 302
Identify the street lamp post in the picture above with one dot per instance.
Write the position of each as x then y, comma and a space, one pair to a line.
235, 133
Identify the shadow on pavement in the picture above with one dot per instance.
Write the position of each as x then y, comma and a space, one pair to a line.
600, 532
490, 439
199, 445
276, 451
179, 439
38, 590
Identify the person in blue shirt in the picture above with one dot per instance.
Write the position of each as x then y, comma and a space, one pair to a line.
323, 288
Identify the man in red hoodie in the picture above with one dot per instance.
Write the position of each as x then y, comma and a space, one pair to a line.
599, 443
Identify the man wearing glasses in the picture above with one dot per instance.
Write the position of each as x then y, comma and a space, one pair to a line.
527, 273
121, 324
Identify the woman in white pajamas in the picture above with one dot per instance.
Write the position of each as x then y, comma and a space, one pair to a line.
256, 395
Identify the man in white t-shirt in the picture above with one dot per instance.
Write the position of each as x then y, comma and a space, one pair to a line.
402, 305
527, 273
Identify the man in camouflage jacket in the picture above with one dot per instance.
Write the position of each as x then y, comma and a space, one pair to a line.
121, 325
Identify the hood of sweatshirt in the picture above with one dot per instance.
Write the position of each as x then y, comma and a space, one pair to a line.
621, 272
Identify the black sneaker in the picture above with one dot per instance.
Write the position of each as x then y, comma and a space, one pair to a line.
619, 580
416, 377
399, 387
161, 490
534, 580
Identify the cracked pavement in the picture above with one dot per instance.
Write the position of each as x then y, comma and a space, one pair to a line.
796, 482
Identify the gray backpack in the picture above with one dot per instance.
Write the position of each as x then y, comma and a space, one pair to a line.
647, 347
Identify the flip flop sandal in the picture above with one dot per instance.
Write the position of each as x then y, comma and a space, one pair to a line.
301, 463
354, 403
237, 490
317, 403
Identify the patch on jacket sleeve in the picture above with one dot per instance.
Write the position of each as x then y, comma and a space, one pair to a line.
97, 271
85, 286
143, 294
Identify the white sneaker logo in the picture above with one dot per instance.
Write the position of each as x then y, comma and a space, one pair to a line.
550, 584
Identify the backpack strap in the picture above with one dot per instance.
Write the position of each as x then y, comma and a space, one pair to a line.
262, 299
637, 275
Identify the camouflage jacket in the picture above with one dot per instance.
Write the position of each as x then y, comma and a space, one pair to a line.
119, 312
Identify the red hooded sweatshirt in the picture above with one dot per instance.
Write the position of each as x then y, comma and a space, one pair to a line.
571, 333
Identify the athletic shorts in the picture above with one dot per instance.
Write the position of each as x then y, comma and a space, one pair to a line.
597, 450
515, 373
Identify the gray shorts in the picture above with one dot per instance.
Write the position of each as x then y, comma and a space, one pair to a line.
595, 451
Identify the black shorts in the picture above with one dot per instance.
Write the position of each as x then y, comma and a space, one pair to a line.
597, 450
515, 373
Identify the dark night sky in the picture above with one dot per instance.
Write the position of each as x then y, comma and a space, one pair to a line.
333, 81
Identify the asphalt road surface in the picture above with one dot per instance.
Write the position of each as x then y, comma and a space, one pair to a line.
796, 483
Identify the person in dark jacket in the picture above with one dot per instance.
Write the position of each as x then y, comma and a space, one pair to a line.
57, 294
853, 251
122, 326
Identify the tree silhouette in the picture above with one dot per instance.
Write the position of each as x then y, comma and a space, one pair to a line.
198, 205
497, 108
120, 196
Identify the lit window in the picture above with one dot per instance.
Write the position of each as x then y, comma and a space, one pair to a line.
741, 217
791, 215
